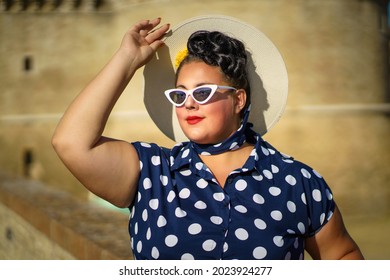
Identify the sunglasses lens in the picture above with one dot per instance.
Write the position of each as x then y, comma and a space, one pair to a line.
177, 96
201, 94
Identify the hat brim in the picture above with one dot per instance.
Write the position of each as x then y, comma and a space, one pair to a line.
266, 70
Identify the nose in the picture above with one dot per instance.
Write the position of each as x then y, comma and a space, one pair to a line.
190, 103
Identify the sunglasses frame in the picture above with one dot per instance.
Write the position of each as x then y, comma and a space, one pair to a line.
189, 92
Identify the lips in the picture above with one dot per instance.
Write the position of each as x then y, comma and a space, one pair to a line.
193, 119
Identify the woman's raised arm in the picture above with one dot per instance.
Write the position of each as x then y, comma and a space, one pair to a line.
107, 167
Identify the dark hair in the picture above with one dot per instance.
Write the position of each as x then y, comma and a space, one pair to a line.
217, 49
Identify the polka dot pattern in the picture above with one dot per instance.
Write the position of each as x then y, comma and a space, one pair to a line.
265, 210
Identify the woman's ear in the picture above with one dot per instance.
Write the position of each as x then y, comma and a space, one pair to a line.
240, 98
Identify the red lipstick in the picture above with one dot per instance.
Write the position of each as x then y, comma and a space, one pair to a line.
193, 119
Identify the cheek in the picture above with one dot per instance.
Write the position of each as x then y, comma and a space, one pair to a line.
179, 112
181, 115
221, 116
223, 110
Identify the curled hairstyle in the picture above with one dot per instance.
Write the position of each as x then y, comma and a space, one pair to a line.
217, 49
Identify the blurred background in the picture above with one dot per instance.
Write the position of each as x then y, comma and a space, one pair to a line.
337, 118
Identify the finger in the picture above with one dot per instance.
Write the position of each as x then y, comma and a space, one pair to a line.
142, 27
157, 34
155, 21
156, 44
145, 26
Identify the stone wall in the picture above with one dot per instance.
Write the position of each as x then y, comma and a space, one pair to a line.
38, 222
21, 241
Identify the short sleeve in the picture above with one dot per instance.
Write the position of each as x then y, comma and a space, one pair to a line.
318, 198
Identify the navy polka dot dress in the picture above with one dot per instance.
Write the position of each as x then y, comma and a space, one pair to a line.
265, 210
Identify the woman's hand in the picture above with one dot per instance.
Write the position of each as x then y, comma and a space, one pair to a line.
142, 40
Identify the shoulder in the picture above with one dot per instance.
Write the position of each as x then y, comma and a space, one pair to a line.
304, 187
150, 151
292, 171
149, 148
153, 151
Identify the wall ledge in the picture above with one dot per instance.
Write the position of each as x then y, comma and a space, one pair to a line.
85, 230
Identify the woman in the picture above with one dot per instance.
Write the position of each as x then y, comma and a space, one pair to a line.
226, 193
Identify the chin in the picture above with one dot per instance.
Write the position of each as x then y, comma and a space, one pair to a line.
202, 140
196, 138
200, 136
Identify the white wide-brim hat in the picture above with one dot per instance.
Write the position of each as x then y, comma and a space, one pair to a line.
266, 70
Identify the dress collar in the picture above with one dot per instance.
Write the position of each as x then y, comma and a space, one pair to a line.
183, 154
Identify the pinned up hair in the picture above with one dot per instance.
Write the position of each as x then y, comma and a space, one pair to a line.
217, 49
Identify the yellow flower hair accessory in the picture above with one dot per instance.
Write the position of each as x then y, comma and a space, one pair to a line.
180, 57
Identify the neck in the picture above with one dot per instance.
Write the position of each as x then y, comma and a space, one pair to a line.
221, 165
234, 142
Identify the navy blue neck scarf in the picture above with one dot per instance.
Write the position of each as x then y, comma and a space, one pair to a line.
243, 134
